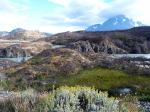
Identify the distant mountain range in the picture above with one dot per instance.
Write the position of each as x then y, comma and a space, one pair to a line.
3, 33
119, 22
20, 33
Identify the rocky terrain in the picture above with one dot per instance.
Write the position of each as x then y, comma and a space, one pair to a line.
89, 50
45, 67
14, 51
23, 49
132, 41
6, 64
19, 45
22, 43
80, 58
54, 61
138, 66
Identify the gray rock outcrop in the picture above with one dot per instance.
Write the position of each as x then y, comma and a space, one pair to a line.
14, 51
104, 46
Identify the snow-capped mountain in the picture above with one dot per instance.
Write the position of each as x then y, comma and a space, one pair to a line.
119, 22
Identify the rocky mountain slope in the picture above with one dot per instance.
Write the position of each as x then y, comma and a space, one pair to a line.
64, 66
119, 22
135, 41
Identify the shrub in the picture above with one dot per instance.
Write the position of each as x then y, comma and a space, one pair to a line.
19, 102
63, 99
79, 99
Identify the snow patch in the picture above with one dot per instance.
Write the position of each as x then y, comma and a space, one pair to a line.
123, 20
116, 22
95, 27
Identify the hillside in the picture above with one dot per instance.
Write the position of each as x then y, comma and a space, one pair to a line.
134, 41
64, 66
86, 65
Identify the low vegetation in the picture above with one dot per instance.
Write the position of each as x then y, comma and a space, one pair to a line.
65, 99
101, 78
105, 79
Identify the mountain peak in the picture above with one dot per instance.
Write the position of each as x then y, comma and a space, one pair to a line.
118, 22
18, 30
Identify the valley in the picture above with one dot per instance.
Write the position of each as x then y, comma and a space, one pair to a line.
108, 61
74, 56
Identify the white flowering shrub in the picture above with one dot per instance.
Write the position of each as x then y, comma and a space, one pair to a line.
79, 99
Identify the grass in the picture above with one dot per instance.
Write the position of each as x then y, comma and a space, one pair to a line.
101, 78
105, 79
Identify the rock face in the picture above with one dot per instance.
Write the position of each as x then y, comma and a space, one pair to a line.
104, 46
134, 41
14, 51
119, 22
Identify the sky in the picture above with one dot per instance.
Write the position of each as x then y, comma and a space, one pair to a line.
55, 16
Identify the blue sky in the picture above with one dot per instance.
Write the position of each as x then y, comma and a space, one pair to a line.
67, 15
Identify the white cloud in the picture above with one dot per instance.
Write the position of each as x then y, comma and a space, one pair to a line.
82, 13
139, 10
76, 13
12, 14
70, 14
13, 7
135, 9
9, 21
5, 5
60, 2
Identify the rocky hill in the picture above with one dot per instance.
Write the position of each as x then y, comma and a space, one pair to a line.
55, 61
135, 41
22, 34
49, 64
64, 66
